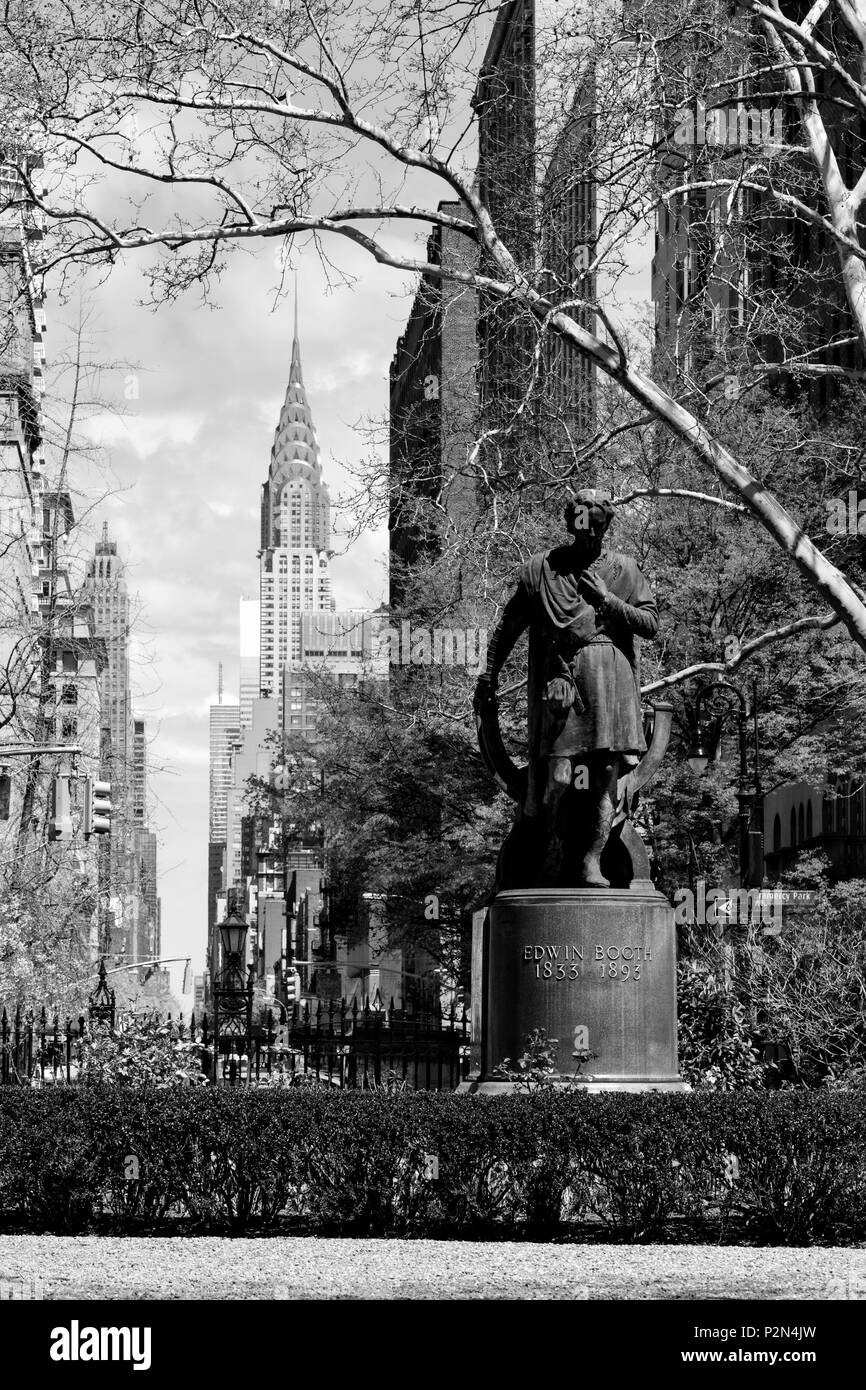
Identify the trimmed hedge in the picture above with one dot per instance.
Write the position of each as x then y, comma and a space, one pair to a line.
785, 1167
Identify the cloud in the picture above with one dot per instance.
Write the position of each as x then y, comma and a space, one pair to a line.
145, 435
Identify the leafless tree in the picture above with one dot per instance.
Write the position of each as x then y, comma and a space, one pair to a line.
190, 131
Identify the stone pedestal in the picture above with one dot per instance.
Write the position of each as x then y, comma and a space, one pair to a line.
594, 967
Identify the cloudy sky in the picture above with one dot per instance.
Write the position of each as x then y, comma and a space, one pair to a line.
186, 461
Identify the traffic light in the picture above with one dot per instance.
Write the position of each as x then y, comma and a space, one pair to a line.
60, 825
97, 807
293, 987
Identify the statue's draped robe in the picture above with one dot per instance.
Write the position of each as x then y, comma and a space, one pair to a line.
598, 650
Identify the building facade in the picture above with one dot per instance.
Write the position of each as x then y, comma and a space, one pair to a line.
139, 771
433, 404
53, 660
828, 815
252, 755
135, 912
250, 657
22, 483
339, 647
225, 729
107, 592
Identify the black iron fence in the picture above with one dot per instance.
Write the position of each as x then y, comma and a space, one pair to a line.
42, 1049
320, 1042
359, 1046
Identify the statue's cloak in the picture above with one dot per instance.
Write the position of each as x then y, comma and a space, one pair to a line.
598, 650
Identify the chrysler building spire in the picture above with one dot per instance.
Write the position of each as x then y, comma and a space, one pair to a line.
296, 531
295, 439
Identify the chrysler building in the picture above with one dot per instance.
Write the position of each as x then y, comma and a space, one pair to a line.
296, 533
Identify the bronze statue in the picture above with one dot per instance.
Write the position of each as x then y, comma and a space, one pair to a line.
586, 609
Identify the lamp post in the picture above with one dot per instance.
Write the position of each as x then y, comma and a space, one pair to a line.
101, 1003
712, 704
233, 997
280, 782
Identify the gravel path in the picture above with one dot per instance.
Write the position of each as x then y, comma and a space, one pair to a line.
54, 1267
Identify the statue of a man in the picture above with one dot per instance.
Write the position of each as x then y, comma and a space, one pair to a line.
584, 607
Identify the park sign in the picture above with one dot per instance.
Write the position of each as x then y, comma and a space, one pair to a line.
789, 897
729, 906
781, 900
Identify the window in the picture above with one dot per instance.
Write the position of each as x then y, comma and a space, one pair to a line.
68, 728
70, 663
70, 695
793, 825
5, 795
801, 824
809, 828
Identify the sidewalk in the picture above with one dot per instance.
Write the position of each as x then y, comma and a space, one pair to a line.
57, 1267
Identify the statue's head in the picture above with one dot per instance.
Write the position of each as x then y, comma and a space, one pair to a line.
588, 514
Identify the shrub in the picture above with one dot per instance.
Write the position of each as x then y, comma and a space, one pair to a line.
50, 1171
139, 1050
716, 1048
786, 1167
645, 1163
802, 1164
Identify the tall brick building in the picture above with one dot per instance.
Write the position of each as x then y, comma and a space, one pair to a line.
779, 296
433, 402
534, 177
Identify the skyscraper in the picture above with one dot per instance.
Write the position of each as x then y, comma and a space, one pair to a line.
225, 726
566, 193
106, 589
139, 771
132, 846
143, 846
225, 729
433, 404
295, 534
250, 619
146, 936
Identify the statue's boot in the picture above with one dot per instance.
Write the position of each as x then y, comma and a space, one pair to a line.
591, 875
558, 783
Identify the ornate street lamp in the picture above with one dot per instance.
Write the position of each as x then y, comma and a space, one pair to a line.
712, 705
233, 932
233, 996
